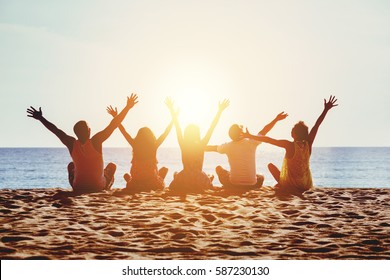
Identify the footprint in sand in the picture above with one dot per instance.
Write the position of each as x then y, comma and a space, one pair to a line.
209, 217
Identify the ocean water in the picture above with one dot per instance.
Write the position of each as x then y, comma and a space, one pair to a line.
331, 167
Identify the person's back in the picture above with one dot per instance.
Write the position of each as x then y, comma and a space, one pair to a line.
295, 176
86, 172
242, 160
193, 157
241, 153
295, 172
191, 178
89, 167
144, 162
192, 147
144, 174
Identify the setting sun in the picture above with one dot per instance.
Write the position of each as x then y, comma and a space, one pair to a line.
195, 106
226, 132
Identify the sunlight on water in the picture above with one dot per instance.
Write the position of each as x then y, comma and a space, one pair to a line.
331, 167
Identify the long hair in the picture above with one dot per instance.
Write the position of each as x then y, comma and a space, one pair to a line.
144, 147
191, 134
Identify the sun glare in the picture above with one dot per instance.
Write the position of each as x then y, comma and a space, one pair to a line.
196, 86
196, 106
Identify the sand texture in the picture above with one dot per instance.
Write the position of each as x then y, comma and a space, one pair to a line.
328, 223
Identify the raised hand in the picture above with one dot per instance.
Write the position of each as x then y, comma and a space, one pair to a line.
327, 106
169, 102
223, 105
245, 134
281, 116
330, 103
33, 113
113, 112
132, 100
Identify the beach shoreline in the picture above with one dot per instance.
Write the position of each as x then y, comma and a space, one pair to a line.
328, 223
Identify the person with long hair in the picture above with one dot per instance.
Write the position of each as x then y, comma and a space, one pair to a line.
192, 147
144, 174
295, 175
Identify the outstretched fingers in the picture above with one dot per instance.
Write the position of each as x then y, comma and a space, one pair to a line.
34, 113
132, 100
169, 102
224, 104
171, 106
134, 97
113, 112
282, 115
331, 102
30, 111
245, 134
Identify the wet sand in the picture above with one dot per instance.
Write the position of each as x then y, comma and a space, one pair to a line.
327, 223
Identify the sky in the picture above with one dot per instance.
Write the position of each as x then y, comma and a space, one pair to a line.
74, 58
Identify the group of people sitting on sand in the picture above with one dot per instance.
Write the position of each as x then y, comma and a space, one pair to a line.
87, 172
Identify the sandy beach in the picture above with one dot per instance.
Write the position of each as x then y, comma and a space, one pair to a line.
327, 223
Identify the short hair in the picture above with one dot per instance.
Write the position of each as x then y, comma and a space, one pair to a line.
300, 131
81, 130
235, 132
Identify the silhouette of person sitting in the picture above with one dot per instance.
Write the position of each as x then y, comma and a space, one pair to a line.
241, 153
192, 147
295, 176
144, 174
86, 171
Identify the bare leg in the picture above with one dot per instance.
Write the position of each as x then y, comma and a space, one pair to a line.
109, 172
223, 175
163, 172
71, 173
274, 171
127, 177
260, 180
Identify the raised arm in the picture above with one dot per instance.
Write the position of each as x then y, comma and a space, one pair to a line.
268, 127
102, 136
162, 137
211, 148
65, 139
221, 107
175, 121
327, 106
279, 143
114, 112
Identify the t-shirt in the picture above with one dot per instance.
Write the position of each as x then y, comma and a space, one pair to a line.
242, 160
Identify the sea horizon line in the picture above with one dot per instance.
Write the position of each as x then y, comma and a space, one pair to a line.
173, 147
